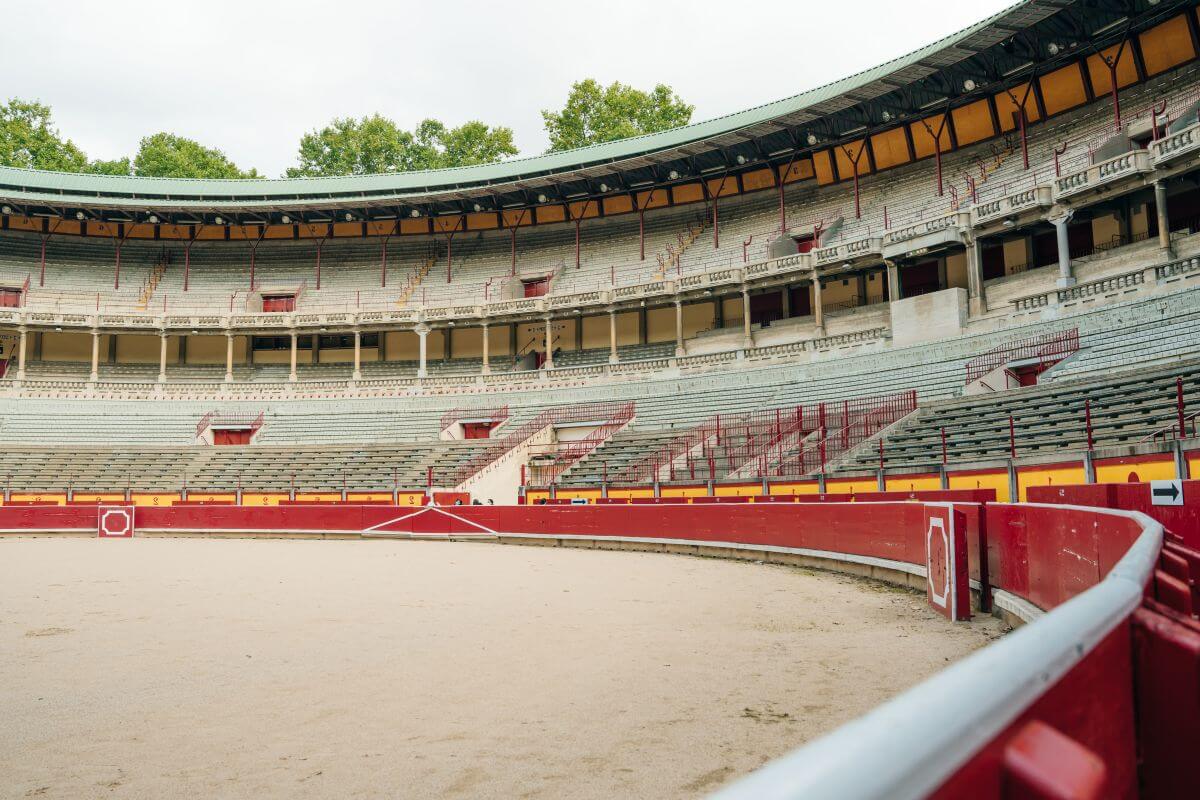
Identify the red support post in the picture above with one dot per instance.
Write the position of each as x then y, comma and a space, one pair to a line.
1087, 419
1179, 408
320, 244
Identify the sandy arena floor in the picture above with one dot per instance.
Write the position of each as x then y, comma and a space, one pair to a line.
180, 668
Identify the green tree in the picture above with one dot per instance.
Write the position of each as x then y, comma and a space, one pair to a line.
376, 144
29, 139
165, 155
118, 166
595, 114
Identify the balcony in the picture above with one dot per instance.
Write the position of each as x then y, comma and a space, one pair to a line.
1175, 146
1106, 173
1035, 197
870, 247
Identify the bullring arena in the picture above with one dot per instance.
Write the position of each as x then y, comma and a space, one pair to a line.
842, 447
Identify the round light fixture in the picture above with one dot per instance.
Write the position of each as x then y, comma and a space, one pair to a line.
673, 175
285, 219
603, 188
218, 220
969, 85
812, 139
886, 116
416, 212
79, 215
741, 159
1054, 48
153, 220
477, 208
542, 198
5, 210
349, 217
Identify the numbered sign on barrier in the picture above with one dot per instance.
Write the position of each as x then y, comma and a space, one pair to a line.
947, 579
114, 522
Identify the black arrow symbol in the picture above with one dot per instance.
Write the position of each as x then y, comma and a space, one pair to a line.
1171, 492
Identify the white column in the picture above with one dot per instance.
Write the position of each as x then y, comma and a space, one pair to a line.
893, 280
549, 363
486, 345
292, 372
679, 327
21, 356
976, 297
818, 305
1065, 275
358, 355
612, 336
95, 355
229, 358
747, 333
422, 331
1164, 221
162, 358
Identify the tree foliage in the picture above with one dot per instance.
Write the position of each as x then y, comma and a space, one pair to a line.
595, 114
29, 139
376, 144
165, 155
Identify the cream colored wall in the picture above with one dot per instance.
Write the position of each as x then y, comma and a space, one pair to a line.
595, 332
134, 349
206, 350
69, 346
403, 346
1139, 220
627, 328
498, 340
733, 311
1016, 253
660, 324
468, 343
1105, 229
956, 271
875, 293
697, 317
835, 292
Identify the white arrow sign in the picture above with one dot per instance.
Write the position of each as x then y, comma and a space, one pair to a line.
1166, 493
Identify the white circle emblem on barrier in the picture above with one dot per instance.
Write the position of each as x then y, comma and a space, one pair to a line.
943, 566
116, 522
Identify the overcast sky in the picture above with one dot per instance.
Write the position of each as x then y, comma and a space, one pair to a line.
252, 77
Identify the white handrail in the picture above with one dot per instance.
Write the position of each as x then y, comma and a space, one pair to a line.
910, 745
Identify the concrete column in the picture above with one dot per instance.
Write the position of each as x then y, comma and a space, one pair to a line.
893, 279
162, 358
976, 296
1164, 221
422, 331
229, 358
487, 367
292, 371
357, 355
1065, 276
549, 362
785, 298
643, 327
181, 356
747, 332
95, 354
579, 333
818, 305
679, 328
21, 356
612, 336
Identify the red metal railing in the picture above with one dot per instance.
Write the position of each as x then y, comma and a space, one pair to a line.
248, 420
842, 427
560, 415
496, 415
573, 452
1048, 347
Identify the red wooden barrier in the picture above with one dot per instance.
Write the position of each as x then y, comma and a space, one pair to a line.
1183, 521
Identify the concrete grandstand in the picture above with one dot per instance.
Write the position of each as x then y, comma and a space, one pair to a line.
975, 268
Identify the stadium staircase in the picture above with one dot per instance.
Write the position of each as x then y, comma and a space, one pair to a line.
497, 469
